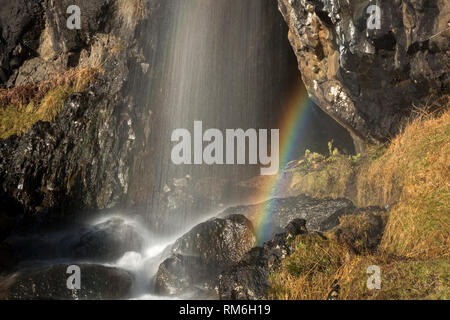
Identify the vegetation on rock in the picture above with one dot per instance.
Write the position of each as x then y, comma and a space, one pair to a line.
23, 106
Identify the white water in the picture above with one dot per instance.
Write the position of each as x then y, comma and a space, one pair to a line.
144, 265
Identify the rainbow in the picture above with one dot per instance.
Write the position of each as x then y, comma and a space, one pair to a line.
291, 128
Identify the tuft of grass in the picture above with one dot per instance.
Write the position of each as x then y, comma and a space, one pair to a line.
131, 12
361, 232
320, 266
309, 271
23, 106
53, 102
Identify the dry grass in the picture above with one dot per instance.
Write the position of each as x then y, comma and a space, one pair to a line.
412, 176
23, 106
417, 161
310, 271
131, 11
362, 232
320, 266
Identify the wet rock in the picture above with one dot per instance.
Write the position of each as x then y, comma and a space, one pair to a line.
54, 166
36, 70
202, 253
284, 210
369, 79
50, 283
83, 160
249, 278
184, 275
108, 241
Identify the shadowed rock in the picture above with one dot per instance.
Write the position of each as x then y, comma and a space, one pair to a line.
284, 210
50, 283
202, 253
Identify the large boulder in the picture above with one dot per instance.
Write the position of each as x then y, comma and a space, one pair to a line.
279, 212
202, 253
50, 283
369, 79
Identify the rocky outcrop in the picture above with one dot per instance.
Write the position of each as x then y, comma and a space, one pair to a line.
50, 283
81, 161
21, 25
370, 79
320, 214
249, 279
202, 253
360, 230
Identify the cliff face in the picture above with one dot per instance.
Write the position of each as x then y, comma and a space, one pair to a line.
83, 159
370, 79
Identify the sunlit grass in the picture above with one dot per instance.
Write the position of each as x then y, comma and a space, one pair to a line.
411, 177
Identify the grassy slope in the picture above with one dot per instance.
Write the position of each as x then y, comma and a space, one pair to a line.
412, 177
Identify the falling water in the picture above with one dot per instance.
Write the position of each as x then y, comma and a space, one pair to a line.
227, 63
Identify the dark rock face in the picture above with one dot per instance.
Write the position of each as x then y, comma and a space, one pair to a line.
201, 254
21, 24
55, 165
108, 241
285, 210
83, 160
37, 29
368, 80
249, 279
50, 283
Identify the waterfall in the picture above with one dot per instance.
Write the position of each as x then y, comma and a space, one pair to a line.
227, 63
